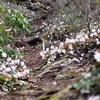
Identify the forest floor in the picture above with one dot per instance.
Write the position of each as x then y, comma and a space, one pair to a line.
48, 82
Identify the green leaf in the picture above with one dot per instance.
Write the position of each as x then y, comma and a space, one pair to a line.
2, 78
1, 9
76, 85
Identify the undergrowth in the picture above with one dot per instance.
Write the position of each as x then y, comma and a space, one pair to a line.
13, 70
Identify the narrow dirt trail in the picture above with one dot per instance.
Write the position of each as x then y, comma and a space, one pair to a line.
46, 82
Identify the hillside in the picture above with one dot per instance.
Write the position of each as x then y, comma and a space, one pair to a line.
61, 50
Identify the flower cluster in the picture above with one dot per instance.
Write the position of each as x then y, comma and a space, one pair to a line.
84, 36
97, 55
68, 45
94, 97
52, 52
13, 67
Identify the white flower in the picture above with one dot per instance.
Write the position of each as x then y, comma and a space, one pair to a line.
9, 59
97, 55
54, 26
97, 39
61, 23
22, 82
13, 68
82, 54
75, 59
47, 49
23, 47
70, 46
56, 49
93, 30
17, 61
52, 52
12, 62
48, 36
86, 36
43, 56
61, 44
69, 60
82, 39
55, 83
25, 72
87, 75
97, 42
8, 69
41, 53
78, 36
22, 63
72, 41
18, 75
2, 67
67, 40
4, 54
91, 35
52, 47
95, 34
59, 51
63, 51
58, 28
24, 67
81, 58
49, 62
71, 52
98, 30
53, 57
94, 97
